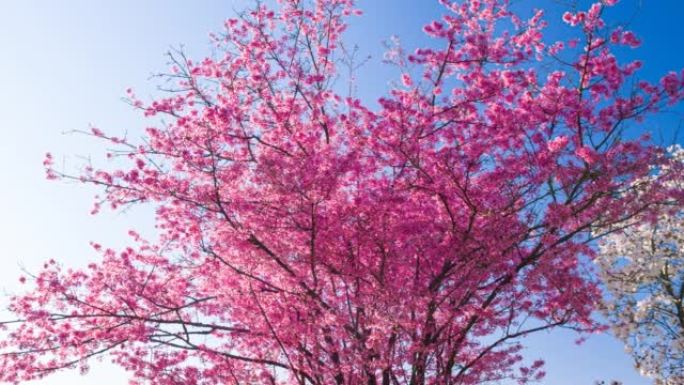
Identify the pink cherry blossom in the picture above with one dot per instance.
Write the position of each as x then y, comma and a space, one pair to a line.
307, 237
587, 154
558, 143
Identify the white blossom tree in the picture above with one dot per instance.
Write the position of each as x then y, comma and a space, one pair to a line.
642, 267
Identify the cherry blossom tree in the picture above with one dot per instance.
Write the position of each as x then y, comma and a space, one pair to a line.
643, 268
308, 238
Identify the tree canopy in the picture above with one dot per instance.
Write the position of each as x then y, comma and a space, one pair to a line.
309, 238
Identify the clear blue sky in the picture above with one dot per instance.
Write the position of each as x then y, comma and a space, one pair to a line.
65, 65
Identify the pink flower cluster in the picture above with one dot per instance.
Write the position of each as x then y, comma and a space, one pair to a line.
309, 238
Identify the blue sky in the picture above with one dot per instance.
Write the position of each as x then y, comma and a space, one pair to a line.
65, 65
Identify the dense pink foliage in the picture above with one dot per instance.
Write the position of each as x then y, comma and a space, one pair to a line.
309, 239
